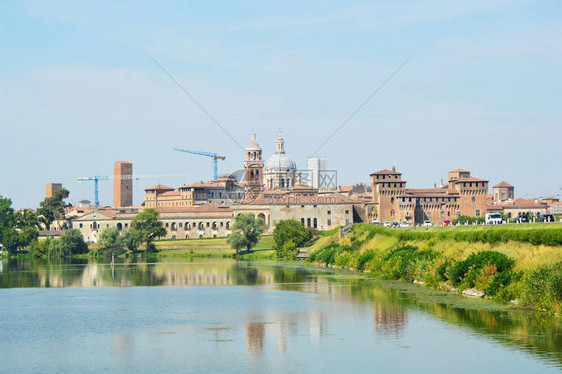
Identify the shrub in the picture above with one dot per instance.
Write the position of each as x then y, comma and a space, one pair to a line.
470, 268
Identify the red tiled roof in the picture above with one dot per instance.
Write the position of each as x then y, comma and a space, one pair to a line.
203, 208
471, 179
346, 188
203, 185
159, 187
523, 203
385, 171
503, 184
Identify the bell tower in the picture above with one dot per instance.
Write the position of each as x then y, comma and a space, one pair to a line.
253, 170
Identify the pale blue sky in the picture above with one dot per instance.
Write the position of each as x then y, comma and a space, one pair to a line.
78, 91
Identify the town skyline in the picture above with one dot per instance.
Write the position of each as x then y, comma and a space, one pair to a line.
81, 91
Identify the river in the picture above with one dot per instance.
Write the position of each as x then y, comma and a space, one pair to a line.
211, 315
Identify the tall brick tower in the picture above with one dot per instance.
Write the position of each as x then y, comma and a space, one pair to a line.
253, 166
122, 184
52, 188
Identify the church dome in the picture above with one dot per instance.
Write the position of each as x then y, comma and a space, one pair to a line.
280, 161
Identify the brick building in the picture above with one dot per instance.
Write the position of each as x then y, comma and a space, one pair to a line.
122, 184
392, 201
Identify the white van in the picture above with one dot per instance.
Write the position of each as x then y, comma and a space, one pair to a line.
493, 219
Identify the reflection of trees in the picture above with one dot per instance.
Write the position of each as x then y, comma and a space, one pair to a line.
41, 272
128, 275
242, 273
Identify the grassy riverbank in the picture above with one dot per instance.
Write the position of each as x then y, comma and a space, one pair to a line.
512, 263
215, 247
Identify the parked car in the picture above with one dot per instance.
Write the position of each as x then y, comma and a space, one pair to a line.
521, 218
376, 223
404, 224
493, 219
386, 224
547, 218
427, 223
394, 225
446, 223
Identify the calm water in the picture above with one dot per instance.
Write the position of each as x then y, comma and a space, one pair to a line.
209, 316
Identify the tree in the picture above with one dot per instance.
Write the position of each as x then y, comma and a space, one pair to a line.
146, 227
129, 241
246, 231
6, 217
52, 208
288, 235
72, 242
26, 218
111, 241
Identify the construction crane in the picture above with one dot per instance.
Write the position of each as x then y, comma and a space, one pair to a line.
98, 178
213, 156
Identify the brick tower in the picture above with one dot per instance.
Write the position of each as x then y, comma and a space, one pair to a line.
122, 184
253, 170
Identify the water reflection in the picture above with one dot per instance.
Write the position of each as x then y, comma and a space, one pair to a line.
390, 304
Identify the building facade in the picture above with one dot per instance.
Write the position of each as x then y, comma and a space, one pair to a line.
205, 221
393, 202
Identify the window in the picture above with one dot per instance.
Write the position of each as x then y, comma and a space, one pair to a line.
80, 225
329, 212
473, 199
392, 213
392, 200
347, 212
428, 214
329, 222
302, 206
477, 213
442, 214
458, 213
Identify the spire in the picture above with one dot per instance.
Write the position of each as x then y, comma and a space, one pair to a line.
254, 143
280, 144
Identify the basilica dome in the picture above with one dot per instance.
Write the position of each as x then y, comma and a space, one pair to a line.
280, 161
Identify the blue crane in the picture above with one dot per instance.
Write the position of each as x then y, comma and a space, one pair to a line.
98, 178
213, 156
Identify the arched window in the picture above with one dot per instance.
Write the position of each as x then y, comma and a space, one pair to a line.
308, 222
119, 226
214, 226
302, 221
315, 223
473, 199
173, 226
228, 225
392, 200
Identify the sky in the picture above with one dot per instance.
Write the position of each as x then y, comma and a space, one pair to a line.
79, 90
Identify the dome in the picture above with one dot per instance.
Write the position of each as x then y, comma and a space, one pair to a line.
280, 161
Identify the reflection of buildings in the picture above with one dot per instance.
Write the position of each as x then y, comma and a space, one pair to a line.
255, 335
389, 319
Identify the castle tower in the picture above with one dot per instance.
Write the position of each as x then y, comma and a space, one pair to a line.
388, 186
122, 184
503, 191
253, 170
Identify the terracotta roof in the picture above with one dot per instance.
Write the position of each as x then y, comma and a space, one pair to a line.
523, 203
460, 171
302, 187
559, 203
159, 187
385, 171
299, 200
503, 184
171, 193
471, 179
203, 185
425, 192
346, 188
203, 208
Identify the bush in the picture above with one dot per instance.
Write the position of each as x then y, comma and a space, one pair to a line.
469, 269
